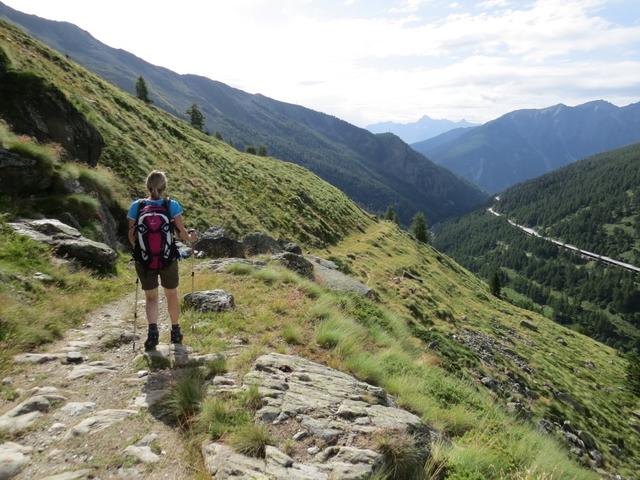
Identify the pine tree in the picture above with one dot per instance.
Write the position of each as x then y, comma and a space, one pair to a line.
494, 284
141, 90
196, 117
218, 135
419, 228
262, 150
390, 214
251, 150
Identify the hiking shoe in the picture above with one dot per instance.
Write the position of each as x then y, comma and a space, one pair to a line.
176, 335
153, 338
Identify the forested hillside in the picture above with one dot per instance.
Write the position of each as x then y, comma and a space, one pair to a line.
524, 144
374, 170
593, 204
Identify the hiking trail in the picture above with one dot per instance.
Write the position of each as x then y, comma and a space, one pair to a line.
79, 386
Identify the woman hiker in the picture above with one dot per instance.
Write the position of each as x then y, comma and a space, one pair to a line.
152, 224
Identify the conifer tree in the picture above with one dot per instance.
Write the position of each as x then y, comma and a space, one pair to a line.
633, 372
494, 284
141, 90
390, 214
251, 150
196, 117
218, 135
419, 228
262, 150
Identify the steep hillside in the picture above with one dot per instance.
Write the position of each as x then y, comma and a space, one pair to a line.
489, 376
218, 184
594, 203
423, 129
527, 143
374, 170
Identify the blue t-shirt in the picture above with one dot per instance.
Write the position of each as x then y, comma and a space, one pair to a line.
175, 208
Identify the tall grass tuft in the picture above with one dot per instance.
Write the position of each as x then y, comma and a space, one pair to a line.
184, 397
251, 440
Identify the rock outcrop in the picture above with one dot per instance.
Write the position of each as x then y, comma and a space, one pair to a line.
296, 263
21, 174
327, 274
217, 243
34, 107
335, 417
68, 242
258, 243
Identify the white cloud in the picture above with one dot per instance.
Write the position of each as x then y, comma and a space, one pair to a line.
487, 4
408, 6
473, 64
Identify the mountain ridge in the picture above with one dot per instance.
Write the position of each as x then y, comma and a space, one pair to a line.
526, 143
347, 156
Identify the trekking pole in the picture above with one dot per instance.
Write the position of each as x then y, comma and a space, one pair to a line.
135, 316
193, 261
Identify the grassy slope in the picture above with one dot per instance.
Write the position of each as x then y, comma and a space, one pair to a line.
384, 344
242, 192
217, 184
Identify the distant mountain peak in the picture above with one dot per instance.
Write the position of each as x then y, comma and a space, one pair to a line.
422, 129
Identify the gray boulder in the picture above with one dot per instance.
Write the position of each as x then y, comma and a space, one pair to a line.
13, 458
209, 300
216, 243
296, 263
327, 274
335, 415
221, 265
258, 243
68, 242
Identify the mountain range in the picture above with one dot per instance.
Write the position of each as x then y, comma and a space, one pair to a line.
375, 170
423, 129
527, 143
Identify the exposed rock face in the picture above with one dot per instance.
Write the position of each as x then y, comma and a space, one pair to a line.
296, 263
335, 417
68, 242
216, 243
258, 243
328, 275
292, 247
21, 174
209, 300
36, 108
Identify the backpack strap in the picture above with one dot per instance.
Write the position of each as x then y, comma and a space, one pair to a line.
167, 205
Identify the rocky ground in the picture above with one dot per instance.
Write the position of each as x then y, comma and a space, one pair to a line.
90, 406
81, 407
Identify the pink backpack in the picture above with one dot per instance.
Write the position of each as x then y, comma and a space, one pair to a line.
155, 243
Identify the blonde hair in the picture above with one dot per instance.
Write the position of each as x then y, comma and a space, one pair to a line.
156, 184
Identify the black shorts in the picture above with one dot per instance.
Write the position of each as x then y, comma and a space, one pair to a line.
169, 276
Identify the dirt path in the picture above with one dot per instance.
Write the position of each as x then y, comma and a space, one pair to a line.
80, 417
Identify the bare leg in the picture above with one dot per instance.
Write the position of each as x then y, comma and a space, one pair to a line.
172, 304
151, 305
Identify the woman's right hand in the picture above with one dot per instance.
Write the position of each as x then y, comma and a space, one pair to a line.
193, 236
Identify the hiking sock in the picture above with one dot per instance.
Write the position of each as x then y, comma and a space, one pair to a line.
176, 334
153, 337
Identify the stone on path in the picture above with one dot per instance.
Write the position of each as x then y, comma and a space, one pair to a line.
142, 453
13, 458
74, 409
74, 357
71, 475
36, 357
93, 368
150, 398
209, 301
99, 421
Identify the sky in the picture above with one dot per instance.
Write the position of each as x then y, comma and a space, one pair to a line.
367, 61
